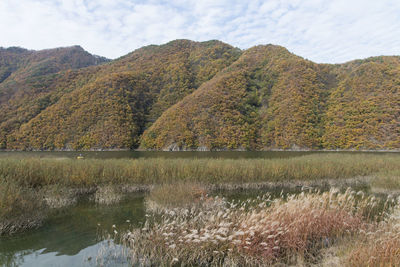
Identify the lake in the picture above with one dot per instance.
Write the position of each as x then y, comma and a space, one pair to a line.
164, 154
70, 237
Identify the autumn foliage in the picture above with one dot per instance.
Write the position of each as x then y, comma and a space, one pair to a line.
187, 95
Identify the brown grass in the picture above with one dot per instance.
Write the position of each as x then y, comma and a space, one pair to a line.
25, 182
36, 172
382, 248
253, 232
379, 246
20, 208
176, 195
387, 180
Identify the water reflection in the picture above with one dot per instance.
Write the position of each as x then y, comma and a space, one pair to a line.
72, 234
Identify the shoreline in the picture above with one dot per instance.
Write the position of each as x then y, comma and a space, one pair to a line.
213, 150
35, 184
113, 194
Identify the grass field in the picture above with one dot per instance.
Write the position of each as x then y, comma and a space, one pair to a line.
34, 172
34, 184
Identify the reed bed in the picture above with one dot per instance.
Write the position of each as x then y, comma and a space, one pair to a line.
177, 195
387, 180
39, 184
377, 247
34, 172
256, 232
20, 208
108, 195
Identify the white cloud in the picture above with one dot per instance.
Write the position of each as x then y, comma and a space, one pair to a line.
320, 30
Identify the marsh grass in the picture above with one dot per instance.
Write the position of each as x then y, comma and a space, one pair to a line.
176, 195
108, 195
379, 246
36, 172
255, 232
20, 208
29, 186
57, 197
387, 180
376, 248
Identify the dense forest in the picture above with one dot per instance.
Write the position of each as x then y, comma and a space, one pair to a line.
187, 95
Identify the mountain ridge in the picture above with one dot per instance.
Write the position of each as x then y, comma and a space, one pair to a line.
187, 95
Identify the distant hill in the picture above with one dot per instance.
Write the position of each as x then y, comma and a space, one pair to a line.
187, 95
30, 81
109, 106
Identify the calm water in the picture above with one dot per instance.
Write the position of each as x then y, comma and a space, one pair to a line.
156, 154
161, 154
70, 237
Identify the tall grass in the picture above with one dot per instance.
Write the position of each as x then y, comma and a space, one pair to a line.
376, 248
251, 233
92, 172
175, 195
379, 246
26, 182
20, 208
387, 180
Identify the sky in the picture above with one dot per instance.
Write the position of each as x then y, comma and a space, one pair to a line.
324, 31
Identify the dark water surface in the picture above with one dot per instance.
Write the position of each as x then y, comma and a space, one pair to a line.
155, 154
71, 237
173, 154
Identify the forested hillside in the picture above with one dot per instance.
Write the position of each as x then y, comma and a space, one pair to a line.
33, 80
267, 98
187, 95
272, 99
109, 106
363, 111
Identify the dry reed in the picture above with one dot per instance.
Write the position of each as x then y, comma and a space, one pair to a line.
253, 232
379, 246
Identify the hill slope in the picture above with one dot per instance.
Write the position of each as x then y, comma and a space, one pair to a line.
267, 98
272, 99
363, 111
32, 81
109, 106
187, 95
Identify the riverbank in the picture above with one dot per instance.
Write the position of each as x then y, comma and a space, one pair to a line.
35, 184
203, 149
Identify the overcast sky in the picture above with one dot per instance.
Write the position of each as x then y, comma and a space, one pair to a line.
330, 31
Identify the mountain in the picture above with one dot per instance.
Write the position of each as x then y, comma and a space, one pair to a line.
19, 66
187, 95
31, 81
267, 98
272, 99
109, 106
363, 110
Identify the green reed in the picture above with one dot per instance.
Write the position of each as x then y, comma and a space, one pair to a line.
34, 172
